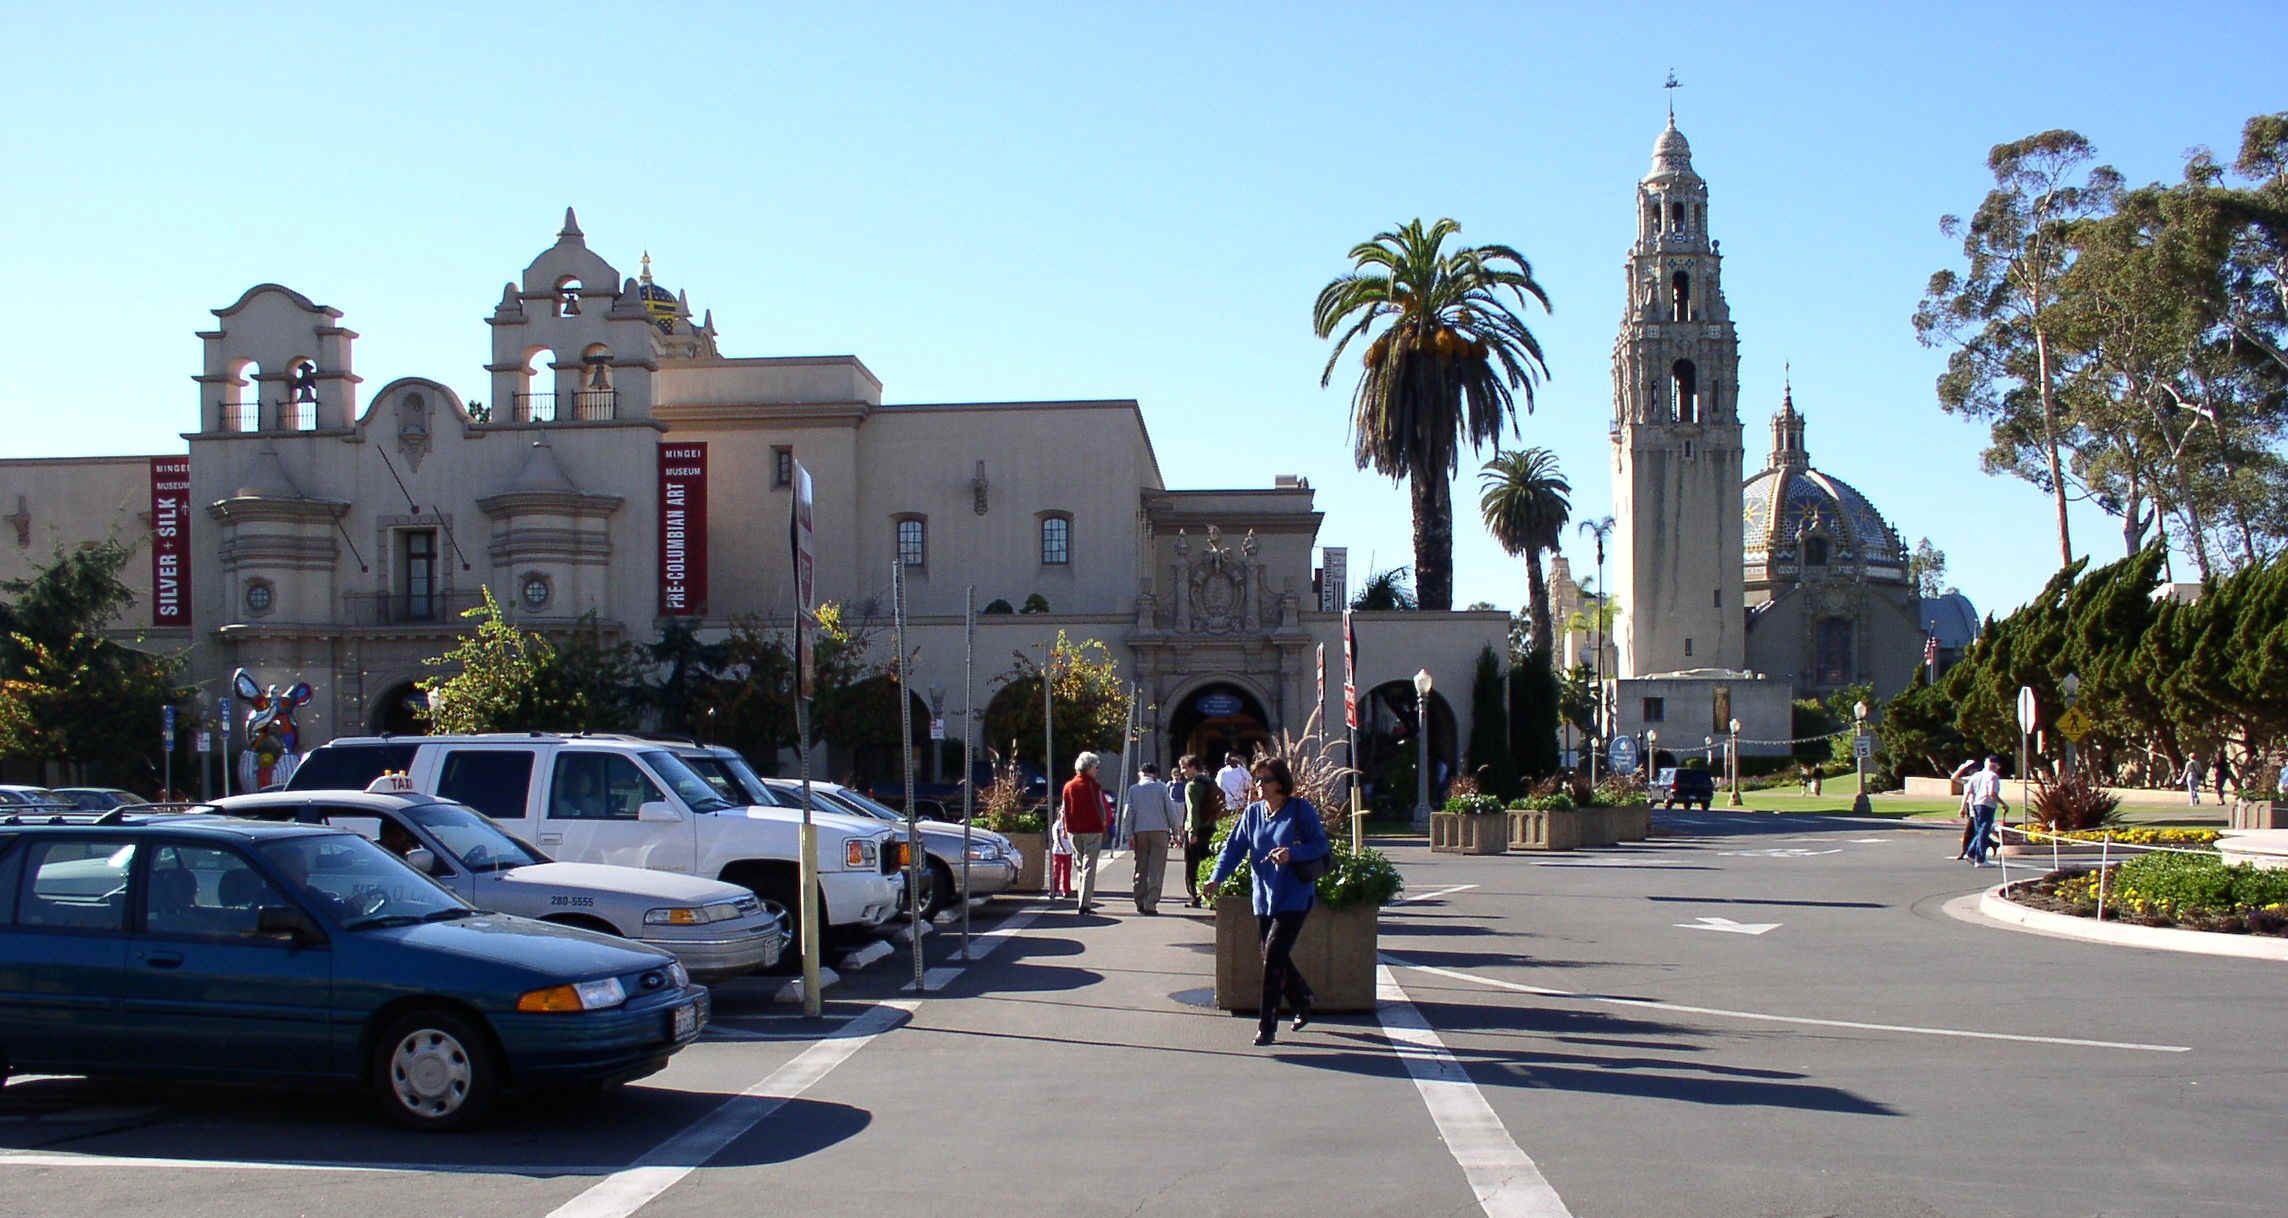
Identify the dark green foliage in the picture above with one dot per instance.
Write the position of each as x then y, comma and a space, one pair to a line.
69, 692
1363, 877
1036, 603
1812, 724
1534, 699
509, 680
1525, 507
1916, 735
1391, 589
2073, 803
1489, 752
996, 606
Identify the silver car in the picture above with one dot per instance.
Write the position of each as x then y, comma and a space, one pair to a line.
718, 930
994, 860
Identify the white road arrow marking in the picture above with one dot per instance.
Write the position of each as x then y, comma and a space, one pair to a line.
1788, 852
1728, 926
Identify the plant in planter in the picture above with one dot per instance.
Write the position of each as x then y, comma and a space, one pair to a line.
2072, 802
1007, 812
1470, 823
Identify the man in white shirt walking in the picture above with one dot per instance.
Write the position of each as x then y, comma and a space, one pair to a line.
1153, 817
1983, 792
1234, 780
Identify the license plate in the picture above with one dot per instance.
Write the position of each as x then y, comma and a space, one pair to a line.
684, 1022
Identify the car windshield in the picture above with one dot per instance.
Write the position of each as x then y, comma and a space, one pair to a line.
473, 841
695, 792
847, 800
720, 775
749, 780
358, 883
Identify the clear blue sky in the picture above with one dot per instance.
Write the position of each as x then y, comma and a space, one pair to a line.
1004, 201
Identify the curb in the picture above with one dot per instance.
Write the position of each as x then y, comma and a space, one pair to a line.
1994, 905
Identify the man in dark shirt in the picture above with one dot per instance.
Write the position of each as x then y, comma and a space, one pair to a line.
1203, 805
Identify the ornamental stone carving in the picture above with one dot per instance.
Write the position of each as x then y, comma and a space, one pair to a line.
1218, 590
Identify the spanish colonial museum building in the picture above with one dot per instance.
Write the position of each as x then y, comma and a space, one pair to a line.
620, 464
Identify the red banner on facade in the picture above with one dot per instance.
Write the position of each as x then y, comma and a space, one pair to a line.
682, 530
1350, 672
170, 541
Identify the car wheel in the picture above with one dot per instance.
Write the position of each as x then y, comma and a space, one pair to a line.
944, 893
436, 1070
777, 894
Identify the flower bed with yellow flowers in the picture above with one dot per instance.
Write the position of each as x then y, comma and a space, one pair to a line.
2188, 891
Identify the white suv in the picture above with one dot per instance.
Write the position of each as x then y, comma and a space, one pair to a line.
630, 801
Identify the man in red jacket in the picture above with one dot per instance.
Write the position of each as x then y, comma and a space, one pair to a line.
1082, 810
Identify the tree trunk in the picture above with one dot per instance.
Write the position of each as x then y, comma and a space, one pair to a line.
1537, 602
2050, 444
1433, 540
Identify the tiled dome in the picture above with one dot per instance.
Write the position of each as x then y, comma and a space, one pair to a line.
1789, 497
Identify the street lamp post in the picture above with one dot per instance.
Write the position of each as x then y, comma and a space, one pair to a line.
1422, 749
1735, 802
1859, 755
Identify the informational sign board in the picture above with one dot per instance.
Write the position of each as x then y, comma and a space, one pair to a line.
1350, 672
937, 727
1322, 669
2026, 709
1622, 755
170, 541
204, 742
682, 529
1863, 747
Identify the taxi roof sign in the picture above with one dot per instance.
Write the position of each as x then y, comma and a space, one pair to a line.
395, 782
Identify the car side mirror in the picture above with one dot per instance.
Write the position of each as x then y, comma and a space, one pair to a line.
284, 922
421, 859
658, 810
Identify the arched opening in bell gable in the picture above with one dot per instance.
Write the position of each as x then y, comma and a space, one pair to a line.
596, 396
1681, 286
301, 405
242, 409
536, 388
568, 296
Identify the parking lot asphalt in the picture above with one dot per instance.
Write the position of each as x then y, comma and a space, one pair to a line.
1747, 1015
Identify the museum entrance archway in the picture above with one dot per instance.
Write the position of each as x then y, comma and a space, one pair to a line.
1215, 719
393, 712
1389, 743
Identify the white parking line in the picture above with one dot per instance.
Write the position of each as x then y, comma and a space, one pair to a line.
1503, 1177
1434, 894
624, 1192
1766, 1017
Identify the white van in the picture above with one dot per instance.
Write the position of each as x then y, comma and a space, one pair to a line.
630, 801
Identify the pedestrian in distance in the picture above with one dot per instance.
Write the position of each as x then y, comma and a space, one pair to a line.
1060, 859
1203, 807
1153, 819
1285, 846
1983, 792
1969, 822
2223, 772
2192, 777
1084, 812
1234, 781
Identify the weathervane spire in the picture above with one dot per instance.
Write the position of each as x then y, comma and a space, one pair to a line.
1672, 85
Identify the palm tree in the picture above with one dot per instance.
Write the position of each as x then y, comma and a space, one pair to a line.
1525, 507
1385, 590
1447, 366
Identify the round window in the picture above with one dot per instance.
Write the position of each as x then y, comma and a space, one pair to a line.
258, 596
535, 591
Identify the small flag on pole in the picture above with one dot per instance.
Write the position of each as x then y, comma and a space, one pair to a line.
1930, 649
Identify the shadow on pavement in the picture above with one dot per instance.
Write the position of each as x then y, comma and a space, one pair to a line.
539, 1135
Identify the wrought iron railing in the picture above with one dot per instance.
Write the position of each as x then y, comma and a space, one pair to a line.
408, 608
596, 405
535, 408
241, 416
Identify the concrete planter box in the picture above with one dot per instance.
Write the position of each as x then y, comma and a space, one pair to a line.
1335, 953
2259, 814
1631, 823
1531, 829
1033, 876
1600, 826
1469, 833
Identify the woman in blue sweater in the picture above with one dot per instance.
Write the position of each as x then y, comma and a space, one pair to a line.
1277, 831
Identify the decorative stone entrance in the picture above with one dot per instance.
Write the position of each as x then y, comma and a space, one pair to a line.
1215, 719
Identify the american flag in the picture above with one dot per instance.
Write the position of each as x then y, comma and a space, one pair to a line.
1930, 649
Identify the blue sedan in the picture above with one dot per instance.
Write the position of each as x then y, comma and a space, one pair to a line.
209, 947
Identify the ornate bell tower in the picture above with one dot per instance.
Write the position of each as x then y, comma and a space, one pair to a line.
1676, 435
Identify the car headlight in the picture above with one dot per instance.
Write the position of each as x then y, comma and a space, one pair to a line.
984, 851
860, 854
579, 996
678, 974
691, 915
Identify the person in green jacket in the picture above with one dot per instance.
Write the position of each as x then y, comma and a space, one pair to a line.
1203, 804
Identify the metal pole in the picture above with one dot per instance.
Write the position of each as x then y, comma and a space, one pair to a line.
1422, 807
1358, 814
222, 708
915, 860
1049, 746
807, 872
968, 751
167, 754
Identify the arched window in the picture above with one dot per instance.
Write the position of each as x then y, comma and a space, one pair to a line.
1832, 658
1815, 551
1056, 540
568, 296
1681, 285
1676, 216
913, 540
243, 412
1684, 389
536, 402
1652, 215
